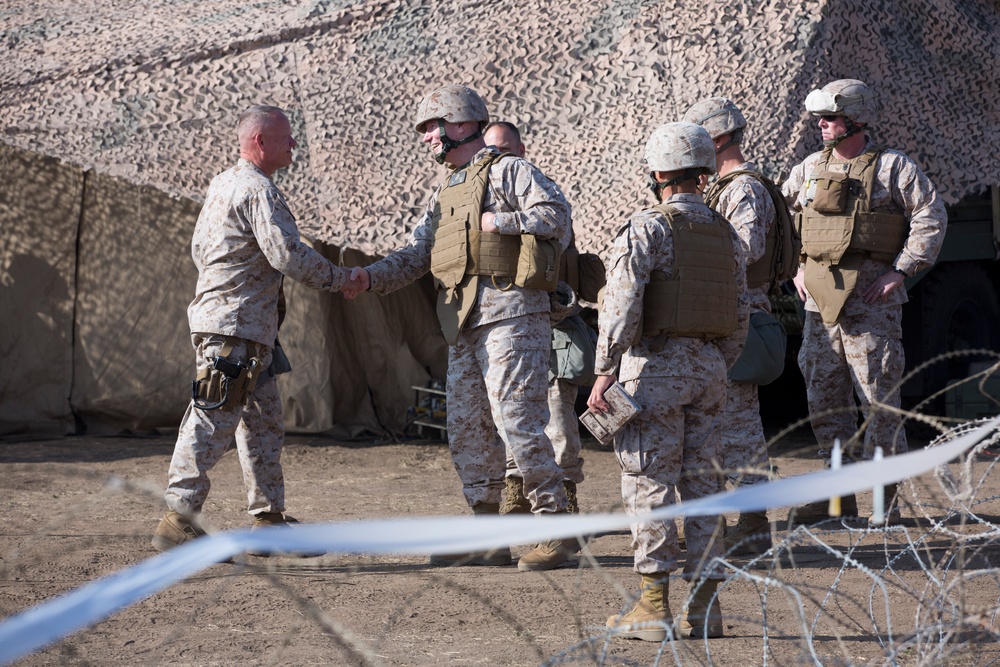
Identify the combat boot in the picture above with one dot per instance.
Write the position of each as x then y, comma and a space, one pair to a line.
572, 505
549, 555
650, 618
514, 501
175, 529
817, 512
277, 519
750, 536
703, 617
493, 558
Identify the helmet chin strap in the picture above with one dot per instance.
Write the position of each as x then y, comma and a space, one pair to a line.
852, 129
448, 144
658, 186
725, 146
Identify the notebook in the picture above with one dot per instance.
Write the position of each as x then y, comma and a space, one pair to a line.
604, 425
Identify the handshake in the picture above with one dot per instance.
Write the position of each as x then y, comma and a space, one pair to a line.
357, 282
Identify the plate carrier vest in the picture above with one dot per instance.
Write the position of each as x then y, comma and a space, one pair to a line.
828, 233
782, 246
700, 298
839, 230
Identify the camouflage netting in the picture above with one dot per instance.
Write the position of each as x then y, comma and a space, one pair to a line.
150, 92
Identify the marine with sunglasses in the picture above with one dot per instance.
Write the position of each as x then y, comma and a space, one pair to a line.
870, 218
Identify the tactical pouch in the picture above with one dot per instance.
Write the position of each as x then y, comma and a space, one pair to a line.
224, 385
832, 189
208, 387
538, 263
574, 351
763, 358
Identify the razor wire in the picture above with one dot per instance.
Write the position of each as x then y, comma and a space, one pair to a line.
942, 562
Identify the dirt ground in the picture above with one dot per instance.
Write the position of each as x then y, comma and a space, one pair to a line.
925, 593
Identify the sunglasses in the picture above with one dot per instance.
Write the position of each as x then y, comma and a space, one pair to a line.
830, 119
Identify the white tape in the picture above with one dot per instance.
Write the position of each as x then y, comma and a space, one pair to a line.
51, 621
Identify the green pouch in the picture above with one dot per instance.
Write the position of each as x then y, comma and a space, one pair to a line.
574, 351
763, 356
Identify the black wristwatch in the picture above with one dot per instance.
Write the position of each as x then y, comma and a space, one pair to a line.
900, 272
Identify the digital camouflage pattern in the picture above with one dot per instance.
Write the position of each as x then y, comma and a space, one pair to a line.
453, 103
671, 449
673, 443
525, 201
677, 146
748, 206
643, 245
862, 355
844, 97
244, 243
563, 430
498, 367
497, 384
901, 187
204, 436
718, 115
862, 351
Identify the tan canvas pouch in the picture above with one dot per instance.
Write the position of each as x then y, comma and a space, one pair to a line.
209, 385
832, 189
538, 263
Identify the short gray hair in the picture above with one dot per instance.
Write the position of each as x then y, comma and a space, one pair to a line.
256, 117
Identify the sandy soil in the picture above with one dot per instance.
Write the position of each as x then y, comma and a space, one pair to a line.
920, 594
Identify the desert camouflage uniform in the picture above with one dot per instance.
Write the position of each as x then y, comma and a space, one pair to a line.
673, 442
862, 352
563, 428
497, 370
244, 242
748, 207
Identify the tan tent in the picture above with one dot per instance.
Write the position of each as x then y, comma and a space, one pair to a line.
138, 102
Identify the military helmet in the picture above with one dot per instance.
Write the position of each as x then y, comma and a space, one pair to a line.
718, 115
677, 146
455, 104
843, 97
